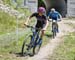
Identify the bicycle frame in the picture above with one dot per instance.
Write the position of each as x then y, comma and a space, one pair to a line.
54, 28
35, 37
34, 41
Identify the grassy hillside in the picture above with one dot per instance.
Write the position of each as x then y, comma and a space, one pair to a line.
6, 1
7, 22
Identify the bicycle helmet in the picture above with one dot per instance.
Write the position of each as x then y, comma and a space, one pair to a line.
41, 10
52, 9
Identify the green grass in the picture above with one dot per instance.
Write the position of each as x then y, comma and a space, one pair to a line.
25, 11
13, 46
6, 1
10, 51
66, 50
7, 23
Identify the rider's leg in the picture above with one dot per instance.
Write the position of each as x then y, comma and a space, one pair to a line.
32, 39
42, 33
43, 29
52, 27
57, 28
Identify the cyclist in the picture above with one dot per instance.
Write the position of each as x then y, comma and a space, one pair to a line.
55, 15
42, 21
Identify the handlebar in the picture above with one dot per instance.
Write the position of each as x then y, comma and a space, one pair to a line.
50, 20
28, 26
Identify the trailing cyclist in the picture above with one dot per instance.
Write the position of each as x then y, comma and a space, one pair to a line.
55, 15
42, 21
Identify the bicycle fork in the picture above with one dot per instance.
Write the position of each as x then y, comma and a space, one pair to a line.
31, 44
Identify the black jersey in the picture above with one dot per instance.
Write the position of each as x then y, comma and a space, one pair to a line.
41, 19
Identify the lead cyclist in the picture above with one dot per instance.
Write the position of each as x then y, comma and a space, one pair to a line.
42, 21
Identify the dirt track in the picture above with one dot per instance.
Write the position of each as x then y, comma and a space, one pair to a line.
48, 50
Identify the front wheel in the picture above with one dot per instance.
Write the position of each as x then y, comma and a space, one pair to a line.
25, 45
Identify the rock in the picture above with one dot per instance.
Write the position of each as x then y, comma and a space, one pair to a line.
10, 10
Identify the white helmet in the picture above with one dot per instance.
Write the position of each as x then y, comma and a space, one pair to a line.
52, 9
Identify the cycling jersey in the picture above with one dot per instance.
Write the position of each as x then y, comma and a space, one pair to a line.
41, 20
54, 15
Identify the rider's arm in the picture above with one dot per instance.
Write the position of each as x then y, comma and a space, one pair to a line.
27, 21
46, 20
60, 17
34, 14
49, 17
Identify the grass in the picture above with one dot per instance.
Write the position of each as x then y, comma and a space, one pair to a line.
66, 50
7, 23
12, 49
6, 1
25, 11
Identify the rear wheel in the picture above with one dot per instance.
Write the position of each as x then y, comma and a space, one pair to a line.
54, 34
54, 30
36, 48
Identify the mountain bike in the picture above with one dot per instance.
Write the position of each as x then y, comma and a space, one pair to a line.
54, 28
32, 42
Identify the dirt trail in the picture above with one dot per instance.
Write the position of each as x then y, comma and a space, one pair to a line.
50, 47
47, 50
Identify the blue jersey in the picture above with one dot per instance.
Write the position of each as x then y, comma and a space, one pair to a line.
54, 15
